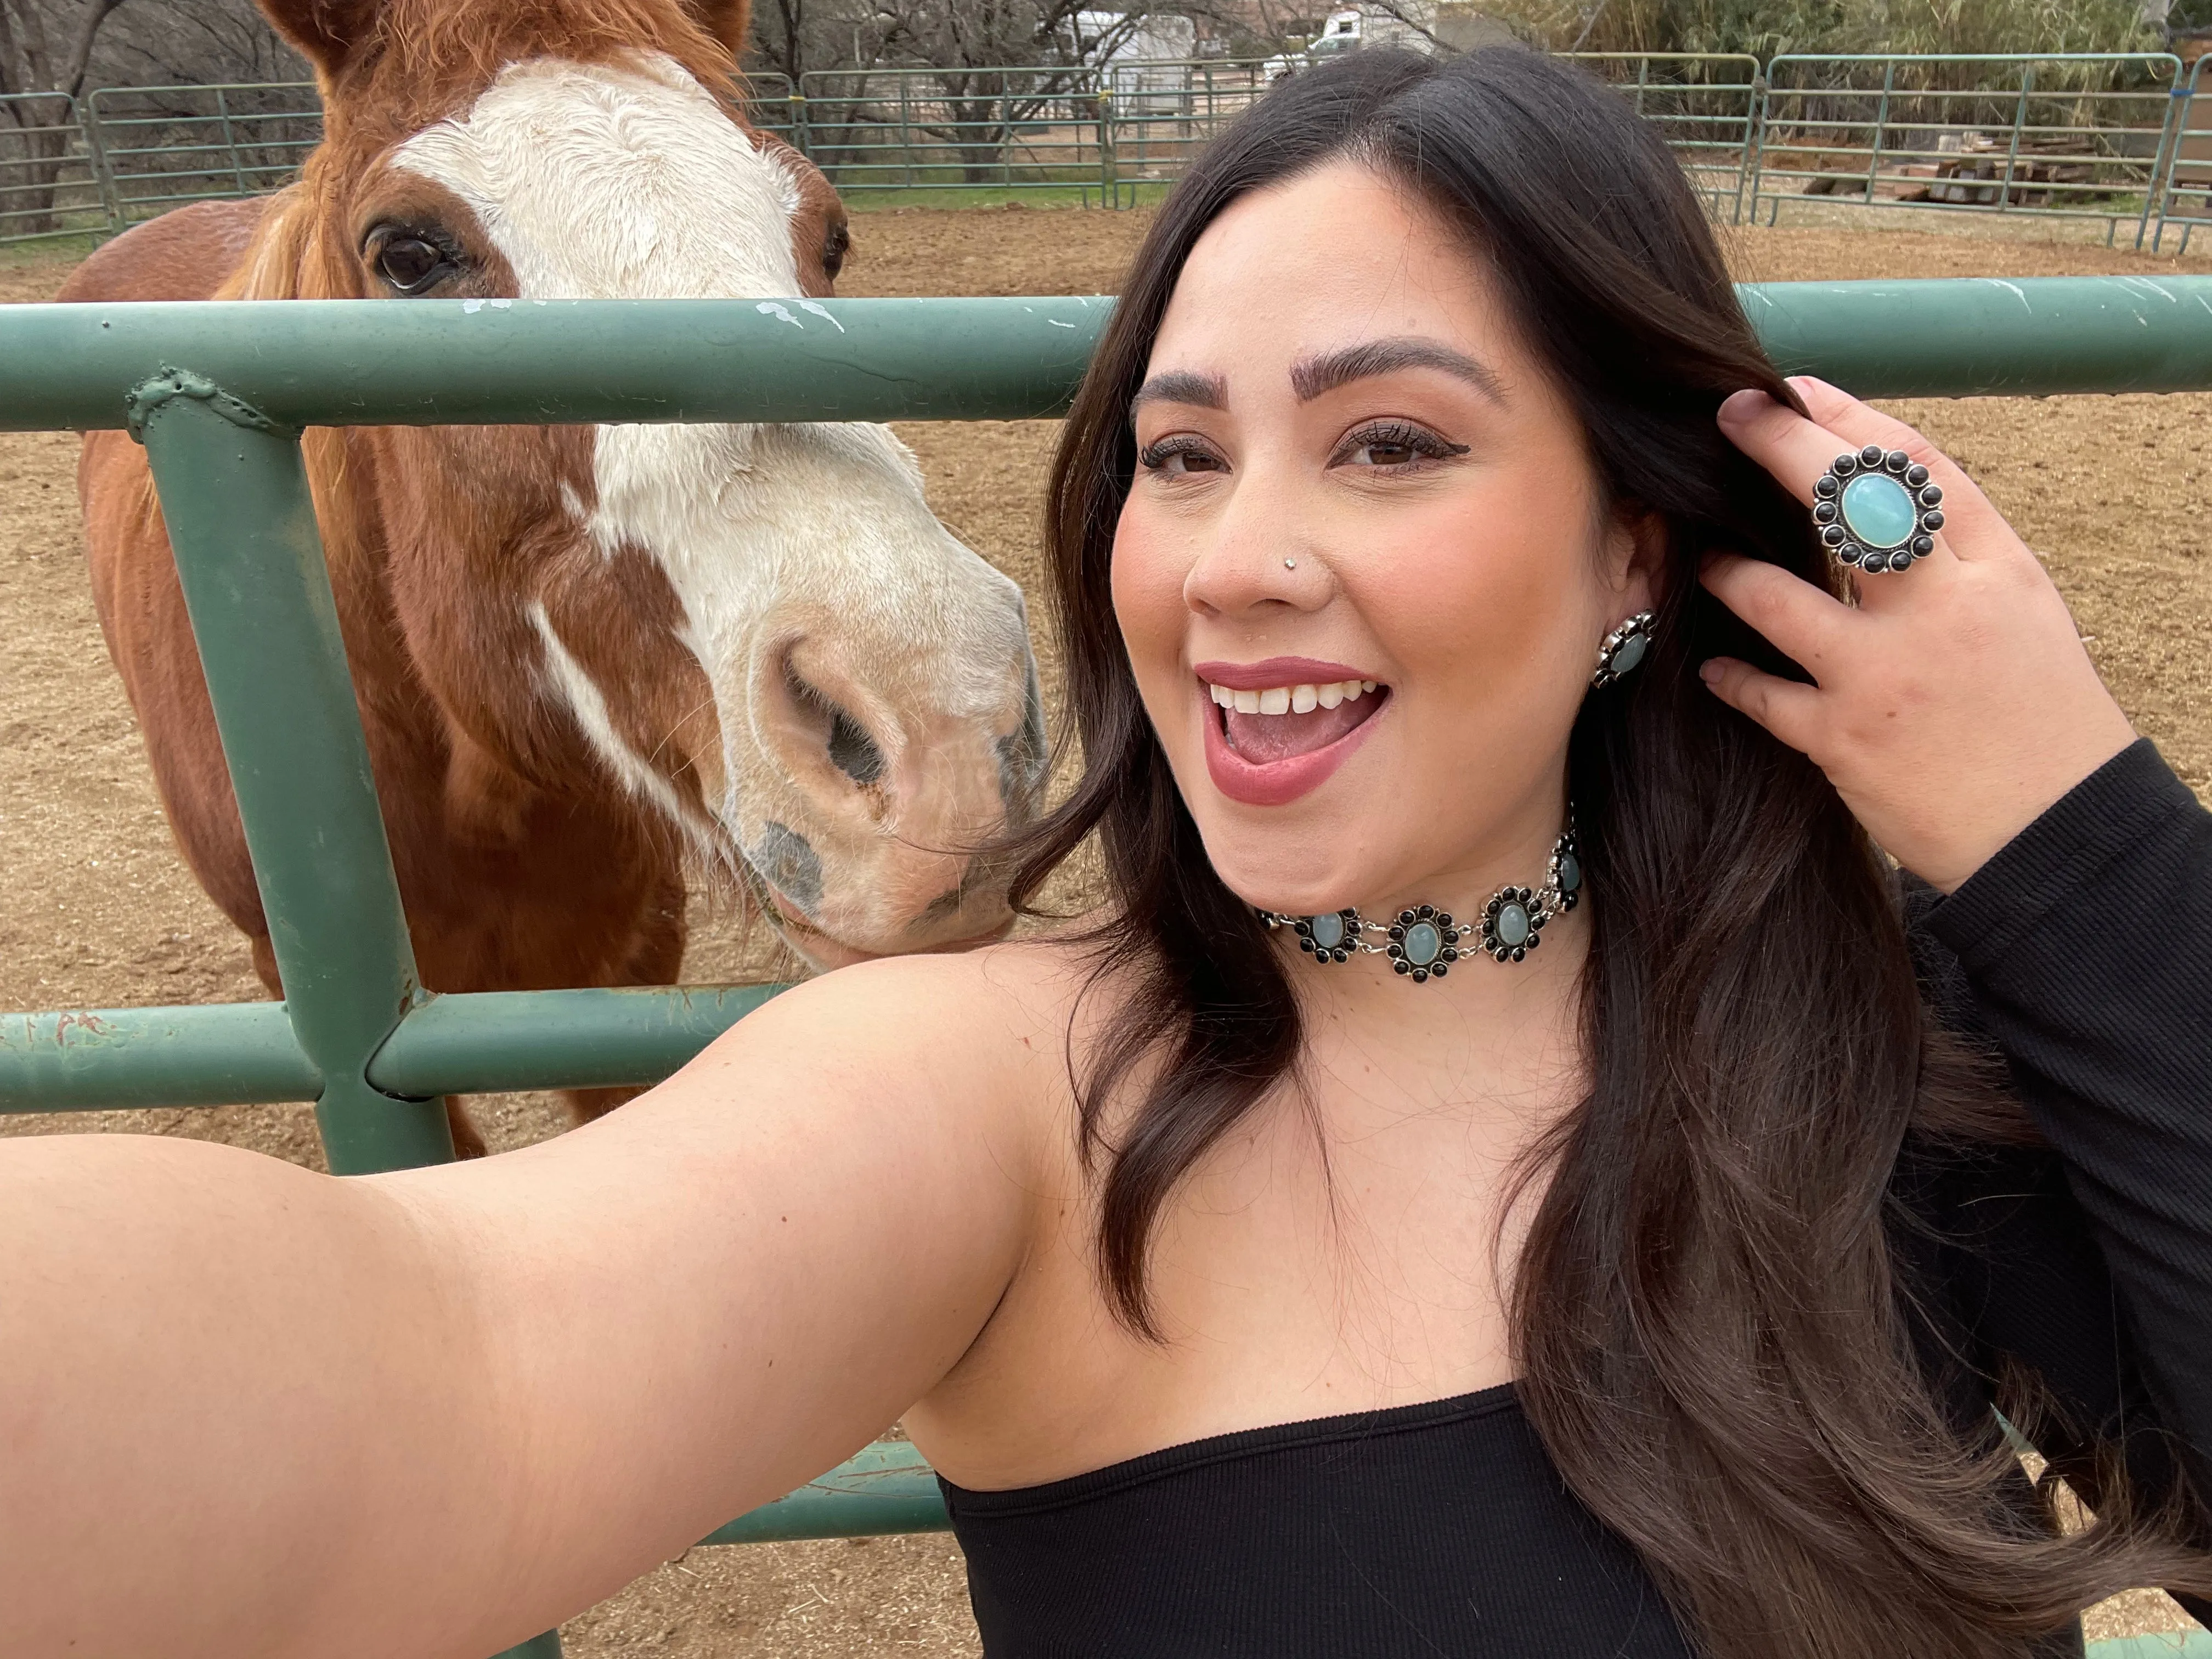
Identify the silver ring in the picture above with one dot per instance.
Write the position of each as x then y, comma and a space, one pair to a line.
1876, 509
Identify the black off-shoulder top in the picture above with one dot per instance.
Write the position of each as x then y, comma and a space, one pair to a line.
2083, 954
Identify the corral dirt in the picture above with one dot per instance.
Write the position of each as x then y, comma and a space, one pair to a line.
99, 911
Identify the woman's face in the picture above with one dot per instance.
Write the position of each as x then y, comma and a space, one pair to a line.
1364, 516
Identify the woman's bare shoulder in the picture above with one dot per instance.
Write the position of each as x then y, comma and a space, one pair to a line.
988, 1015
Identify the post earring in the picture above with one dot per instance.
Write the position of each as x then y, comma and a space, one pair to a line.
1622, 649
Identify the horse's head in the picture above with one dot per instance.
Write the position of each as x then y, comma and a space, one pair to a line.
759, 633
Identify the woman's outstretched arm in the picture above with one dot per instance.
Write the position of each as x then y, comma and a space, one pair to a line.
245, 1409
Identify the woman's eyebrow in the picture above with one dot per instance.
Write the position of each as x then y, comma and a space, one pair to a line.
1182, 385
1312, 377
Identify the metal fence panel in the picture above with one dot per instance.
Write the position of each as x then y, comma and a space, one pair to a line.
50, 182
2186, 197
2091, 136
2078, 135
1706, 103
996, 129
162, 147
1164, 113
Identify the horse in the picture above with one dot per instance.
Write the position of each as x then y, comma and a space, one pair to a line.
588, 660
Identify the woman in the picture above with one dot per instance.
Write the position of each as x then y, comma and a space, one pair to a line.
1644, 1293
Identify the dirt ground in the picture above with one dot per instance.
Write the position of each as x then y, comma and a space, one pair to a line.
99, 911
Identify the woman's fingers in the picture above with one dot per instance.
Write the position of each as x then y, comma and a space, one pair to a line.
1795, 617
1967, 513
1790, 710
1785, 443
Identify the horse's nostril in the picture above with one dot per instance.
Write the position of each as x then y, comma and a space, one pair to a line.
852, 749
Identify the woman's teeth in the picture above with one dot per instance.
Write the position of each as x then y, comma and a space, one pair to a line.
1291, 699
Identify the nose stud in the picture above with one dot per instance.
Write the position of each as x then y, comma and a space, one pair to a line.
1290, 564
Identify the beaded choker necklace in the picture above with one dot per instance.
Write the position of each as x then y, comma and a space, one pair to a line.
1423, 942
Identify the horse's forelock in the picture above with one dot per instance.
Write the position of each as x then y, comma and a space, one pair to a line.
446, 52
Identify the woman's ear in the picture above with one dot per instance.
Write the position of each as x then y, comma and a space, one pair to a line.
1636, 557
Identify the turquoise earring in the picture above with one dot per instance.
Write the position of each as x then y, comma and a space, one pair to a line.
1622, 649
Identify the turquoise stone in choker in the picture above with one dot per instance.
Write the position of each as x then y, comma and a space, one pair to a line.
1422, 942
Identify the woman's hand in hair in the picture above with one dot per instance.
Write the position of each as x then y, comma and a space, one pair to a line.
1955, 702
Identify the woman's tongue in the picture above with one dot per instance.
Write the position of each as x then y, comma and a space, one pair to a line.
1263, 739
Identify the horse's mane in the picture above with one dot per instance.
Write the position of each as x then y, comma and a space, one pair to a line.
278, 263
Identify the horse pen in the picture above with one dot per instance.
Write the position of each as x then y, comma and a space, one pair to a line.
101, 914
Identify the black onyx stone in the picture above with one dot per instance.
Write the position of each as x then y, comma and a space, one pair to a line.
1824, 512
1876, 562
1451, 955
1398, 929
1344, 956
1850, 552
1439, 970
1923, 546
1443, 919
1932, 519
1519, 954
1398, 964
1825, 485
1896, 461
1428, 911
1870, 456
1932, 496
1916, 475
1833, 535
1420, 976
1305, 945
1845, 466
1405, 916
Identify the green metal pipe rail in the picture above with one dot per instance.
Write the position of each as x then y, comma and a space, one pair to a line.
218, 393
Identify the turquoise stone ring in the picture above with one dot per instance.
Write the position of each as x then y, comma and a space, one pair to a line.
1876, 509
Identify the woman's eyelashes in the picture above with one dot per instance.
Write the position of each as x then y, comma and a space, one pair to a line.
1181, 453
1394, 447
1383, 447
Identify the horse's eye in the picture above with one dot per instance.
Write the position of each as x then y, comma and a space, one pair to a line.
409, 263
836, 241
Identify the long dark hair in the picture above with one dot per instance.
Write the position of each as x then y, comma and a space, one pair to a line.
1712, 1337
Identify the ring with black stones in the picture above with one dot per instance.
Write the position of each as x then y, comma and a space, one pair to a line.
1876, 509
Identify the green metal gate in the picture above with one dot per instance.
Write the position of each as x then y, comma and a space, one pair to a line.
2062, 135
2186, 197
1706, 103
162, 147
219, 393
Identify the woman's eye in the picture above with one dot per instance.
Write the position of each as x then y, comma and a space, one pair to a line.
409, 264
1396, 448
1173, 456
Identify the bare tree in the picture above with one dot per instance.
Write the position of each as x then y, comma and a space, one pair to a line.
45, 47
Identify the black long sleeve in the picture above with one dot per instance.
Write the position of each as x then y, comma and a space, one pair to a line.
2086, 944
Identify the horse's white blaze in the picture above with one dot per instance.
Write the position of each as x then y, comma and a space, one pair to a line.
576, 690
597, 182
